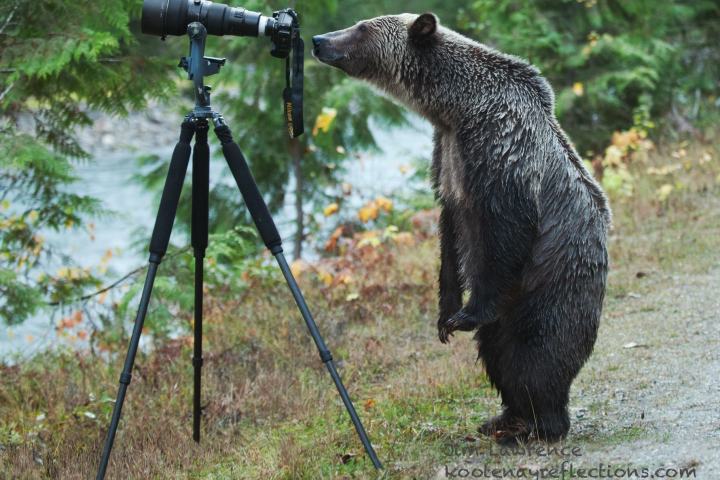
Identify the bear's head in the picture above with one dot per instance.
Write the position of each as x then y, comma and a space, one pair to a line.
387, 51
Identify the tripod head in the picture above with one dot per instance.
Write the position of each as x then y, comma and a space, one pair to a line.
198, 66
284, 31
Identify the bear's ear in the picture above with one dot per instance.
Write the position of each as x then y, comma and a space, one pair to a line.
423, 28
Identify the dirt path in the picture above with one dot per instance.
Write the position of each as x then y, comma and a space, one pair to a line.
656, 404
649, 396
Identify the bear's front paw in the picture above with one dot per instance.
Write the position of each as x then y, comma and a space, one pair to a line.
464, 321
461, 321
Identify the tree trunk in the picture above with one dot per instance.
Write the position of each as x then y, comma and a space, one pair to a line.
296, 151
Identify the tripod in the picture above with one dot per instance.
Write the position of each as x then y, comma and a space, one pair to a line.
196, 124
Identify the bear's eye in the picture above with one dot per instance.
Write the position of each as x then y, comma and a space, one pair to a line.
363, 27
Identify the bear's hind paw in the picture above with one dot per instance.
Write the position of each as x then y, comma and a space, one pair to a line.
506, 429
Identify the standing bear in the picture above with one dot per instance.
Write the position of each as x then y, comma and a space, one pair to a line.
523, 225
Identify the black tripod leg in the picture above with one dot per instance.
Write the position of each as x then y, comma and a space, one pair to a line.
266, 226
200, 193
158, 247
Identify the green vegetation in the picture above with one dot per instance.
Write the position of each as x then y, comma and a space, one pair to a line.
614, 65
59, 61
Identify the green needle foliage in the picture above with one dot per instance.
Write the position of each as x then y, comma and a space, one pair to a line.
59, 60
613, 64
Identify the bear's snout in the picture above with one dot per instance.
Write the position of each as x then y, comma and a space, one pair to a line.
325, 50
318, 40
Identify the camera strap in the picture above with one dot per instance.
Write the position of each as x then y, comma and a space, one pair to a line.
293, 93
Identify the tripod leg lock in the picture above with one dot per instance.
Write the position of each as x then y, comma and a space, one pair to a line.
325, 356
197, 361
125, 378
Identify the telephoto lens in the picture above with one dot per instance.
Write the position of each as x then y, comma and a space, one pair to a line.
172, 17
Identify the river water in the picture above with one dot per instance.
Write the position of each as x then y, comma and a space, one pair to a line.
116, 144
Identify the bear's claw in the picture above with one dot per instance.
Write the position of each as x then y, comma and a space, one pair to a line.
443, 333
461, 321
505, 429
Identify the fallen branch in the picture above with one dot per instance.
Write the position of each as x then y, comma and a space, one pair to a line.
115, 284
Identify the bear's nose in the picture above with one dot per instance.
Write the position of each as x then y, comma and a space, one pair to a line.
318, 40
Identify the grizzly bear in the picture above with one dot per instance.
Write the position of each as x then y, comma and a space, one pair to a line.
523, 225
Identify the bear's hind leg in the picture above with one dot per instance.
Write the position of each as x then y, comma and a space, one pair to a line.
523, 421
492, 342
534, 385
538, 395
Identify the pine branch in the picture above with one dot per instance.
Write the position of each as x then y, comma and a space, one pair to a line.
116, 283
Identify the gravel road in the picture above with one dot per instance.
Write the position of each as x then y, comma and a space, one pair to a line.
648, 397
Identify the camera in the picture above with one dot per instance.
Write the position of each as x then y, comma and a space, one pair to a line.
172, 17
199, 18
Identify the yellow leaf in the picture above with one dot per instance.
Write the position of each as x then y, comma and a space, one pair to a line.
298, 267
331, 209
369, 238
664, 192
578, 89
352, 297
627, 139
33, 216
680, 153
613, 156
384, 204
664, 170
368, 212
324, 120
390, 232
4, 205
325, 277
